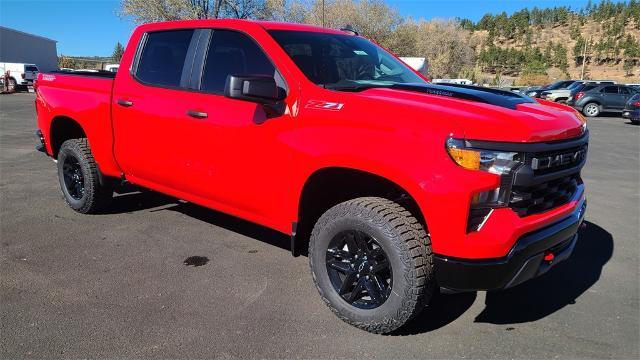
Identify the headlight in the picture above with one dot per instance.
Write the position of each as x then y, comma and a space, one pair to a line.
495, 162
501, 163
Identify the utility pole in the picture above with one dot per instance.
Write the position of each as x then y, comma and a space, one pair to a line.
322, 13
584, 58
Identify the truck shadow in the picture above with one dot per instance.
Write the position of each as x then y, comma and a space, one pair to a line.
131, 199
534, 299
531, 301
553, 291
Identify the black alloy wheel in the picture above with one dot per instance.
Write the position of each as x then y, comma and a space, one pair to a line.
372, 263
358, 269
73, 177
82, 185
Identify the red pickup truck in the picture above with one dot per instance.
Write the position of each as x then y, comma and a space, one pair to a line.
398, 186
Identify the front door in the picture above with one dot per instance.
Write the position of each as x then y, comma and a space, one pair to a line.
238, 150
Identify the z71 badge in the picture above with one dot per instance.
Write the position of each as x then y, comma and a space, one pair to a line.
323, 105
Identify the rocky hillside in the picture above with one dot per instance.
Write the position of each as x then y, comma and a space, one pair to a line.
531, 44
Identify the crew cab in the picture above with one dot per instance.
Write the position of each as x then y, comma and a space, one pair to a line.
393, 187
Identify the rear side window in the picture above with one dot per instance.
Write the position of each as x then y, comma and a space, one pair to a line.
233, 53
625, 90
589, 87
610, 90
162, 59
30, 68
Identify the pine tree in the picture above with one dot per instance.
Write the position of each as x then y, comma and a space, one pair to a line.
118, 50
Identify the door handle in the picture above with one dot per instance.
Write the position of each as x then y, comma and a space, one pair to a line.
125, 103
197, 114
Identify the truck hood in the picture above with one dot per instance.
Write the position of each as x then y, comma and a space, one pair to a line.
482, 113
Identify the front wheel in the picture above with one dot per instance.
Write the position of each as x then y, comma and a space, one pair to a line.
591, 110
371, 261
80, 179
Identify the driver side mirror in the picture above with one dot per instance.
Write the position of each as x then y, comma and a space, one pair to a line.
260, 89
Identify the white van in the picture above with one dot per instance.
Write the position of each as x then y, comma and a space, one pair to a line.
19, 73
112, 67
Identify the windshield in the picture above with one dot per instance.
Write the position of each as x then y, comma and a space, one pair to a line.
558, 85
574, 85
343, 62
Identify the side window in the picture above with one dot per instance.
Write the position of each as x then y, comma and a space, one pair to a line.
163, 56
625, 90
610, 90
233, 53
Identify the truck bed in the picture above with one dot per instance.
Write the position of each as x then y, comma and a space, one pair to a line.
84, 97
100, 74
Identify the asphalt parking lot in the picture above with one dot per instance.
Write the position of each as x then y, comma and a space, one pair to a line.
116, 285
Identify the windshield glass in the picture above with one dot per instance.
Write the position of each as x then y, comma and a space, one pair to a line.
557, 85
574, 85
343, 62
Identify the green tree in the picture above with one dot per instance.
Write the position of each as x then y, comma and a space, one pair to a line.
628, 67
118, 50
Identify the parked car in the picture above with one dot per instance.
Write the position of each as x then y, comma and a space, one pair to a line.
19, 73
563, 95
397, 185
635, 86
562, 84
580, 88
610, 98
632, 109
112, 67
453, 81
560, 95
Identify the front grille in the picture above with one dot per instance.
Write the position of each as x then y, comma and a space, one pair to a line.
558, 160
529, 200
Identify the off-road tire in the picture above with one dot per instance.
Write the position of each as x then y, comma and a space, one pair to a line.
407, 247
96, 196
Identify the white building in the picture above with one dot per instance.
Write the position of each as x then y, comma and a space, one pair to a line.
20, 47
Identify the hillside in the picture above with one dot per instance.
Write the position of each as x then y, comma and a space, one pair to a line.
532, 44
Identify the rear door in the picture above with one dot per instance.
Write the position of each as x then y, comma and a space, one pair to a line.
149, 110
612, 98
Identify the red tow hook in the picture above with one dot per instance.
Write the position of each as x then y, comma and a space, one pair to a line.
548, 256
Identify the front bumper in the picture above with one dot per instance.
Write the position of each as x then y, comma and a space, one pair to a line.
525, 260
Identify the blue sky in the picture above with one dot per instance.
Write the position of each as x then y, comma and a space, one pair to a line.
92, 27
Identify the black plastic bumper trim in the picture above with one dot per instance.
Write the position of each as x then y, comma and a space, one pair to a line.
524, 261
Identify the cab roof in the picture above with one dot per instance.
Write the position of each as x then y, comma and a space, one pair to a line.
236, 23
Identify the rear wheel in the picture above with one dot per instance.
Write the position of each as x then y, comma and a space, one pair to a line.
80, 179
371, 261
591, 110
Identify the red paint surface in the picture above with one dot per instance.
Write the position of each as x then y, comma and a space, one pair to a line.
236, 162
